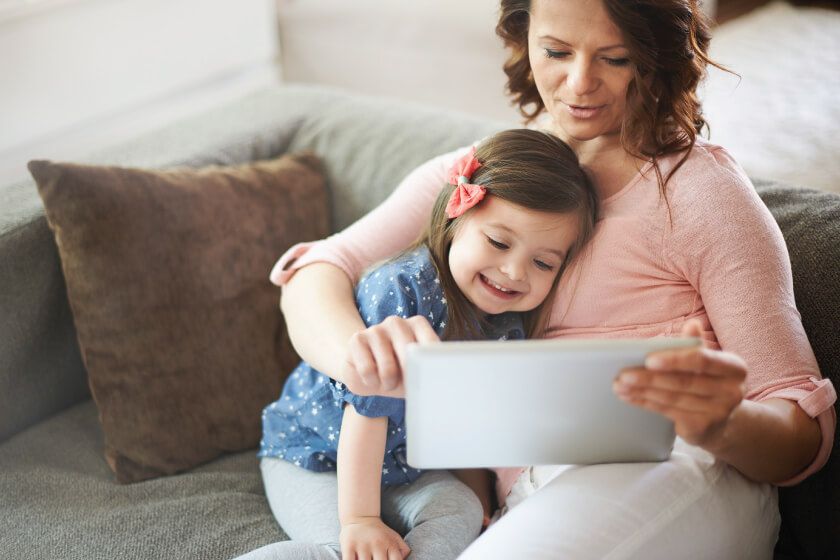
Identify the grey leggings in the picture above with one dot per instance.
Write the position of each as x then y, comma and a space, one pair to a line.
437, 515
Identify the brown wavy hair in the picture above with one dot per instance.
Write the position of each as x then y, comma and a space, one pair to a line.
529, 168
668, 42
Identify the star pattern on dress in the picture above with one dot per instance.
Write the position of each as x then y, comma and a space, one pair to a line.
303, 425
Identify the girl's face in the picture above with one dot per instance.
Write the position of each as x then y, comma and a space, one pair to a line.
505, 257
581, 68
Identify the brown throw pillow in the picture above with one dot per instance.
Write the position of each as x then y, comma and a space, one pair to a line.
167, 277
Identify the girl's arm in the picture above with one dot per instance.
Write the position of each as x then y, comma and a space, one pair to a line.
361, 446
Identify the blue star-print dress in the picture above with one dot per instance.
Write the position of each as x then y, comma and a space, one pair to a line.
303, 425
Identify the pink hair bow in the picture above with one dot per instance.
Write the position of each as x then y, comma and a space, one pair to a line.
465, 195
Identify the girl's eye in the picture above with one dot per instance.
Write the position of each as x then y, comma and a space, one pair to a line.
555, 54
497, 244
618, 61
543, 265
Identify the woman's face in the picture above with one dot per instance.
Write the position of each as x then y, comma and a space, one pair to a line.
581, 68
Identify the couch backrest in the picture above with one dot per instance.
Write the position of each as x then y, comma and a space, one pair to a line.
810, 223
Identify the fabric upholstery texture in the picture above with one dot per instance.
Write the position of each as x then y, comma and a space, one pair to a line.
40, 367
178, 327
810, 222
59, 501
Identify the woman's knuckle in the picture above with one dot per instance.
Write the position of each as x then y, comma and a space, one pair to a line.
705, 361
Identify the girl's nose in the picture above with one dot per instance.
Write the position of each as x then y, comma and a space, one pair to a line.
513, 269
581, 78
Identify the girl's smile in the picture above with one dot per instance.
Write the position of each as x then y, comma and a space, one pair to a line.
497, 289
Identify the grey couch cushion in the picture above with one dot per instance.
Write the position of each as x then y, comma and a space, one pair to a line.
368, 145
41, 370
810, 223
60, 500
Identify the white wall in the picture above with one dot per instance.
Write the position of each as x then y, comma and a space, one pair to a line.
77, 73
443, 52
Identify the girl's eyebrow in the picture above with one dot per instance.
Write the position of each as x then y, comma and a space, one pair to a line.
499, 225
562, 42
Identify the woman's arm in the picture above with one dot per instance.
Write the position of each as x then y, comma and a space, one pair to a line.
317, 281
768, 441
361, 446
321, 316
760, 405
366, 359
702, 391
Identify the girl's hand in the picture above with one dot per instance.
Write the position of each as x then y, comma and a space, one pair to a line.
376, 355
368, 538
697, 388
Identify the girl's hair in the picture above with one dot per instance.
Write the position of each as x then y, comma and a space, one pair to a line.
668, 42
529, 168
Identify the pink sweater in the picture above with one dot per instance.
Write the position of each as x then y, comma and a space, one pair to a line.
720, 258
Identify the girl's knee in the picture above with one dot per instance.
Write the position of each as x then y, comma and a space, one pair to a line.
454, 500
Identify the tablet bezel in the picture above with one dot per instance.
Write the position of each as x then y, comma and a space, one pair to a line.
554, 403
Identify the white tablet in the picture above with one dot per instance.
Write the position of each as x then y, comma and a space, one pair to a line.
534, 402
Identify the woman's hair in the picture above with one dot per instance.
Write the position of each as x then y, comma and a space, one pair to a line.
529, 168
668, 42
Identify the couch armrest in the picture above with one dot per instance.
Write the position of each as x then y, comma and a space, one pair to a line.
40, 367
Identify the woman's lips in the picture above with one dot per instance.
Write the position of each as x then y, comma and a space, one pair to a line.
491, 287
583, 111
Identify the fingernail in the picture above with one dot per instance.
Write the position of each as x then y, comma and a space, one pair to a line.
629, 378
654, 362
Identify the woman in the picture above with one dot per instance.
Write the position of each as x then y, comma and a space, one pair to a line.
683, 245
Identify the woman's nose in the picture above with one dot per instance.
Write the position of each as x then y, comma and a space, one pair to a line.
581, 79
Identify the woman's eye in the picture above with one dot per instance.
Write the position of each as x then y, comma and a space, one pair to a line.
543, 265
496, 244
555, 54
618, 61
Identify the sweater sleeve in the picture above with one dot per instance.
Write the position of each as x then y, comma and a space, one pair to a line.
727, 244
384, 231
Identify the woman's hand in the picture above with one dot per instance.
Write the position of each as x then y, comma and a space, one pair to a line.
368, 538
376, 355
697, 388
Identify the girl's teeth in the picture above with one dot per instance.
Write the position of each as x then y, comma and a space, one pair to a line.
500, 288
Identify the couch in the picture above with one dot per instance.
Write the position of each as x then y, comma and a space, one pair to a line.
58, 497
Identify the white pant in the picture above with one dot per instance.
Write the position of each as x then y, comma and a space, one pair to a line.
690, 507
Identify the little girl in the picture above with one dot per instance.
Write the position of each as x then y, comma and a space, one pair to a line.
515, 211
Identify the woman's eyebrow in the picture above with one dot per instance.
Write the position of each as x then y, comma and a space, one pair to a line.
562, 42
